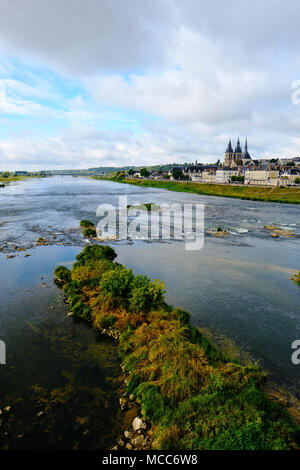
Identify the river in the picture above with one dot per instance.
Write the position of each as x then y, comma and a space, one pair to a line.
237, 287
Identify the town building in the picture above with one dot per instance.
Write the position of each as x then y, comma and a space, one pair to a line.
238, 156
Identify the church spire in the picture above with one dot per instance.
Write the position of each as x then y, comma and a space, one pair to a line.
229, 147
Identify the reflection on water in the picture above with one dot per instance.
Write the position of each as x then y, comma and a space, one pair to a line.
60, 380
238, 286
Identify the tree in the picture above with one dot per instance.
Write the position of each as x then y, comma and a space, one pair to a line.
144, 172
297, 181
238, 178
177, 174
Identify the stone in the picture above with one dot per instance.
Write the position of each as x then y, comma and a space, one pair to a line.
128, 446
127, 434
131, 397
139, 441
121, 443
138, 424
123, 403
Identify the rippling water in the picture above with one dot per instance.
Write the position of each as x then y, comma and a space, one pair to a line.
238, 286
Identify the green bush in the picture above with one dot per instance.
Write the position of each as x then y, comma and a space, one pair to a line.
93, 253
86, 223
89, 232
62, 274
145, 295
108, 321
81, 311
71, 289
116, 284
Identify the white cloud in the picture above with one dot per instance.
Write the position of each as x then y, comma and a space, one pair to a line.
203, 70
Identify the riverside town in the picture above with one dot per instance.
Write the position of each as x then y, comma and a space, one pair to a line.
149, 232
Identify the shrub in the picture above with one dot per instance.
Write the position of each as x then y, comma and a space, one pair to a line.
86, 223
108, 321
93, 253
89, 232
81, 311
145, 295
116, 284
62, 274
71, 289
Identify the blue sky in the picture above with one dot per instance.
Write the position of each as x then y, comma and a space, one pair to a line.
95, 83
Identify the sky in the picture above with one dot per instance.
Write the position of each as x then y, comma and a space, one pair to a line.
89, 83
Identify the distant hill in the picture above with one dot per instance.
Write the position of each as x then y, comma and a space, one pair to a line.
109, 169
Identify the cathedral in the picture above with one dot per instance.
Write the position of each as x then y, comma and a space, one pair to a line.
237, 157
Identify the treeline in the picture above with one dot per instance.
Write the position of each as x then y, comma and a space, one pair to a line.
194, 396
7, 176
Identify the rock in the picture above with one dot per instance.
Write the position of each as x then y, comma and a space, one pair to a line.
7, 408
70, 314
283, 401
127, 434
139, 441
40, 413
131, 397
123, 403
121, 443
128, 446
138, 424
115, 448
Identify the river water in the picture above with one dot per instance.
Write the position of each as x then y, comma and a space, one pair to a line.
237, 287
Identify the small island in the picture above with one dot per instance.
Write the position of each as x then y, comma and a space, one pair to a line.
277, 232
189, 394
296, 278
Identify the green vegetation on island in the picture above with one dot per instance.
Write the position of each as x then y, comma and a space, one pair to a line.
86, 223
254, 193
296, 278
193, 396
89, 229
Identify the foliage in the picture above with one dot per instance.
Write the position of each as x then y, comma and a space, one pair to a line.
86, 223
194, 397
177, 174
238, 178
89, 232
144, 172
62, 274
94, 253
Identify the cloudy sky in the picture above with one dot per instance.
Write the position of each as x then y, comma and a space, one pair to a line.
87, 83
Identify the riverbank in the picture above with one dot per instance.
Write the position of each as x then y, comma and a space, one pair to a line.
10, 178
193, 396
264, 194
